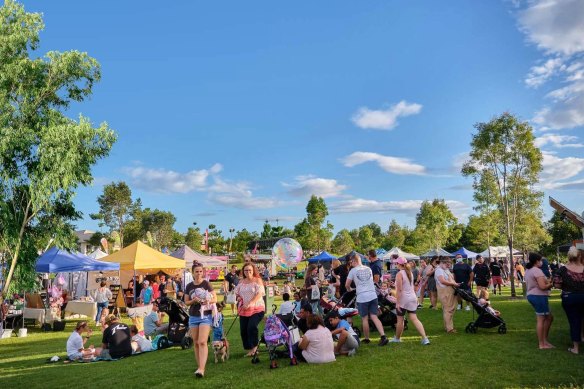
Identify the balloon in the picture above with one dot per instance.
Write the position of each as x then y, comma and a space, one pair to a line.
287, 253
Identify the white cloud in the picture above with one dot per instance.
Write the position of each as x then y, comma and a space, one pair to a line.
384, 119
557, 169
540, 74
305, 186
556, 26
389, 164
409, 207
168, 181
563, 115
238, 195
560, 141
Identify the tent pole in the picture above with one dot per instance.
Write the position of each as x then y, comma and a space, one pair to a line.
134, 293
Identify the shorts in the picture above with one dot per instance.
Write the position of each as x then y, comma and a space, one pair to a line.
368, 308
540, 304
432, 284
402, 311
75, 356
497, 280
464, 286
482, 283
351, 343
196, 321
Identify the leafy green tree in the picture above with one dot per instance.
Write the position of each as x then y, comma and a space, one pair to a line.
160, 225
561, 232
194, 238
530, 233
116, 207
217, 242
342, 243
395, 236
482, 231
366, 240
241, 239
504, 149
436, 226
44, 154
312, 232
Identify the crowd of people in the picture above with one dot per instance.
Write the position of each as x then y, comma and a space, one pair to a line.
325, 337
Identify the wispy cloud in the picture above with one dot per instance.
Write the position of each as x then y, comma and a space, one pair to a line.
390, 164
239, 195
560, 141
408, 207
384, 119
305, 186
557, 28
169, 181
556, 170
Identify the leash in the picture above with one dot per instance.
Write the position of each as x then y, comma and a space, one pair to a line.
232, 323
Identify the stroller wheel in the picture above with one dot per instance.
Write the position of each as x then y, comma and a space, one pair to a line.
468, 328
502, 329
473, 329
186, 342
255, 359
293, 361
273, 364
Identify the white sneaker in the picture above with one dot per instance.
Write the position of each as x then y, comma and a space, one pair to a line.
458, 307
352, 352
467, 308
425, 342
395, 340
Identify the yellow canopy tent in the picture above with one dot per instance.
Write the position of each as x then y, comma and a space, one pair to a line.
143, 259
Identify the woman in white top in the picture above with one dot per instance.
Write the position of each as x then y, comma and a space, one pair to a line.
444, 285
102, 295
75, 344
317, 343
406, 301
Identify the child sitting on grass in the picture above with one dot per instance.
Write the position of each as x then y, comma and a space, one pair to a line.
139, 343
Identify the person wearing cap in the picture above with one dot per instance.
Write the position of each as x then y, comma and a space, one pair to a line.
463, 275
116, 340
146, 293
376, 266
407, 302
153, 324
76, 344
444, 284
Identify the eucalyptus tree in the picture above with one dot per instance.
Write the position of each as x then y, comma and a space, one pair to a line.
504, 149
44, 154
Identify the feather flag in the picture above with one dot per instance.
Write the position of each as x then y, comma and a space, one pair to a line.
207, 239
104, 244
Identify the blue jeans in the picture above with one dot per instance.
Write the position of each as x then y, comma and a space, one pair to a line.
100, 307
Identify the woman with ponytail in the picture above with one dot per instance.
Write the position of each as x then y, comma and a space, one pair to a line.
406, 301
538, 291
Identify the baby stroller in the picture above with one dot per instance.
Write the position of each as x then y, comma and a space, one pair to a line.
387, 314
178, 322
277, 335
485, 318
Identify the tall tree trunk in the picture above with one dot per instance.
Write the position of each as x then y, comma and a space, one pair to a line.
511, 267
16, 251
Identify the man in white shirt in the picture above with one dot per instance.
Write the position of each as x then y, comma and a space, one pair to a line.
153, 322
75, 344
287, 307
367, 303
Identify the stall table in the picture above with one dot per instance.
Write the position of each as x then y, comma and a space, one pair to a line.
86, 308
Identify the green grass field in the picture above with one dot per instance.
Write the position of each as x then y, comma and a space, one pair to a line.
482, 360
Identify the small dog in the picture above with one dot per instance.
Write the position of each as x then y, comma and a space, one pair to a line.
221, 350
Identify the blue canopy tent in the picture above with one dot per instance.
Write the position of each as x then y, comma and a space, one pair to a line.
56, 260
322, 257
465, 253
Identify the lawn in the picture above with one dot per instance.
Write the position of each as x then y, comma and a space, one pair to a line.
483, 360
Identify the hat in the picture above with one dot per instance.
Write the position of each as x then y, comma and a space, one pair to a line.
401, 261
109, 318
146, 282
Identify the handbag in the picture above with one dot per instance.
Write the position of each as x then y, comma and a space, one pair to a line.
295, 335
231, 298
315, 293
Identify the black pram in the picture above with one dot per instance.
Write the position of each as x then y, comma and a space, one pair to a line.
178, 321
486, 319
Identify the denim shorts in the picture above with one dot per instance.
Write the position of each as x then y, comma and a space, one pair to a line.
540, 304
368, 308
195, 321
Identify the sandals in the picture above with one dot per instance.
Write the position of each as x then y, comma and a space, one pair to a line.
573, 351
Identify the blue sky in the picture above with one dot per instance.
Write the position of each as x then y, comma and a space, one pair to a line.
232, 113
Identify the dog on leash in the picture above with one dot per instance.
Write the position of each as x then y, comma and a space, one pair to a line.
221, 350
220, 343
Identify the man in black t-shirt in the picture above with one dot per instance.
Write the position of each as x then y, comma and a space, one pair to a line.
496, 275
463, 274
482, 274
117, 341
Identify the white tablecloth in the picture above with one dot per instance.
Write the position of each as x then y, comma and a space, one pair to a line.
85, 308
139, 311
35, 313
